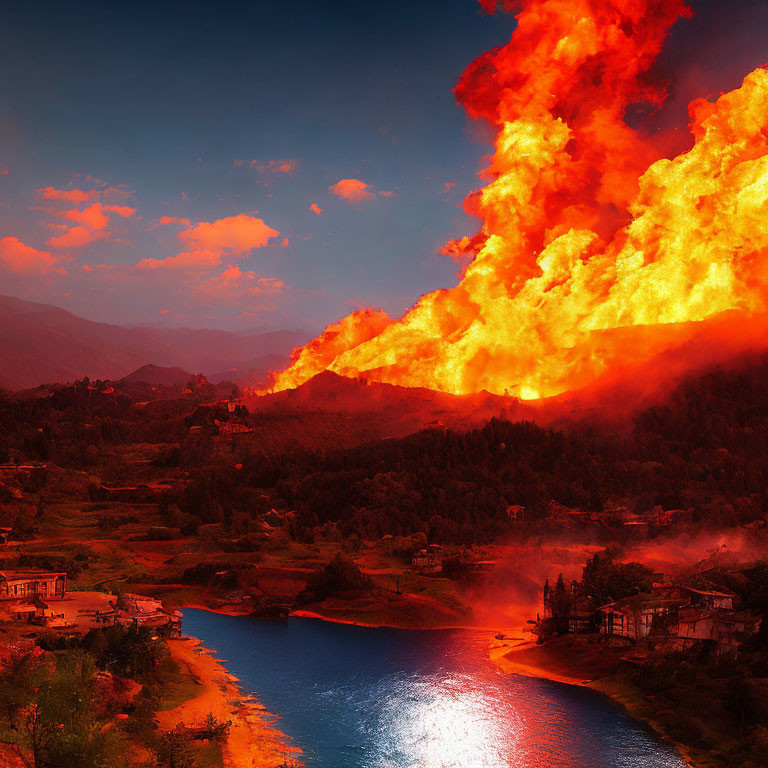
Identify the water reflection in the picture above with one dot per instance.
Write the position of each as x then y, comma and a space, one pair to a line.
361, 698
442, 721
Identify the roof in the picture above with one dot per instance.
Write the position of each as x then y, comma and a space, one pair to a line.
708, 593
640, 602
13, 575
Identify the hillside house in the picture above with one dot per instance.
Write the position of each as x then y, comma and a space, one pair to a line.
429, 560
678, 617
633, 617
16, 585
722, 630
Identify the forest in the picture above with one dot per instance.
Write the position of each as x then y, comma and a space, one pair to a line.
703, 449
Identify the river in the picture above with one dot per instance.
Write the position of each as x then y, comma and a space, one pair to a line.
354, 697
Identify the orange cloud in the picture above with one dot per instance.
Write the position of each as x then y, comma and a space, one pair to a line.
92, 216
235, 287
208, 241
237, 233
121, 210
351, 190
289, 166
315, 208
69, 195
79, 196
76, 237
190, 261
387, 193
164, 221
286, 243
91, 225
23, 259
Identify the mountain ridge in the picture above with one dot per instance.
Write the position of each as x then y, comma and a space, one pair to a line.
43, 344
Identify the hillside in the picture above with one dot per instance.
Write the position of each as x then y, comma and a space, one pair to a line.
41, 344
158, 376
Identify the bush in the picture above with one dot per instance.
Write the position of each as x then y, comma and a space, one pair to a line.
339, 576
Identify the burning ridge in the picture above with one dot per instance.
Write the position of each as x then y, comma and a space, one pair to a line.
588, 233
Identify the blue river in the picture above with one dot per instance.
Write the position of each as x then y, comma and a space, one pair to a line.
353, 697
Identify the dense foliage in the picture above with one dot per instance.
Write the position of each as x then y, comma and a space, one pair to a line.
705, 449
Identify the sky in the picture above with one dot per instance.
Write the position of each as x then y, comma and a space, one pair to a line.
260, 165
303, 158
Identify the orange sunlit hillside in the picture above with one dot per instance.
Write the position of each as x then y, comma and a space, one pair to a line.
586, 227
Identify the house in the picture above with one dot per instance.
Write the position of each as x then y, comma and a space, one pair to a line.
679, 618
722, 630
700, 598
22, 610
428, 560
633, 617
26, 584
147, 612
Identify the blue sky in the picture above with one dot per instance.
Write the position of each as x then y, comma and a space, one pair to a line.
163, 99
187, 110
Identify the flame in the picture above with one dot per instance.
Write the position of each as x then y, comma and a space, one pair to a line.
587, 231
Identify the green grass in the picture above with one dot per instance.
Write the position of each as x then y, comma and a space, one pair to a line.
209, 756
178, 687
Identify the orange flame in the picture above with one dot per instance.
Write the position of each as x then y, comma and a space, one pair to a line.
585, 230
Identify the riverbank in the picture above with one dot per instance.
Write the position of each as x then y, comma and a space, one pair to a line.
577, 660
254, 739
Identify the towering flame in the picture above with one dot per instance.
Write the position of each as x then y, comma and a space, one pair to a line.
587, 232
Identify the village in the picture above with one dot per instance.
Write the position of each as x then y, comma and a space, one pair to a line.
41, 598
668, 616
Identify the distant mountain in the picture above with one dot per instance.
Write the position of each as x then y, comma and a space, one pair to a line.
158, 376
254, 372
41, 344
332, 411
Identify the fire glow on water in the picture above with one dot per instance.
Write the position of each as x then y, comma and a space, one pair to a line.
588, 233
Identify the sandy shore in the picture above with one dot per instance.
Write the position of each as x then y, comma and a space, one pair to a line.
254, 741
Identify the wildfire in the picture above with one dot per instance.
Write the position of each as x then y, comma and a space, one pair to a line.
586, 232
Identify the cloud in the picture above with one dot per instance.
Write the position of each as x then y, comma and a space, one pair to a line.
206, 242
69, 195
236, 287
387, 193
76, 237
352, 190
165, 221
92, 216
286, 243
315, 208
91, 225
288, 165
23, 259
237, 233
79, 196
121, 210
191, 261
